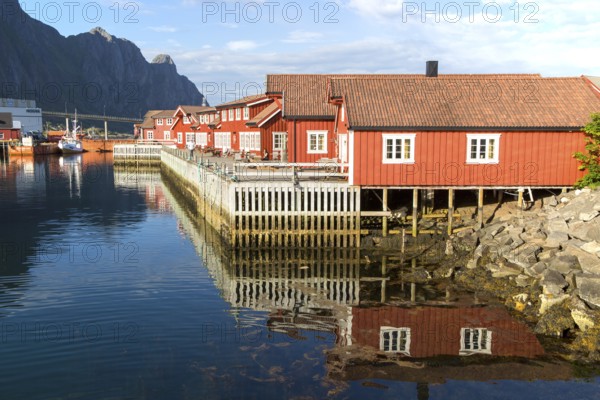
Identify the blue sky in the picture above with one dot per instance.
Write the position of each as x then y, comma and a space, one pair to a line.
227, 47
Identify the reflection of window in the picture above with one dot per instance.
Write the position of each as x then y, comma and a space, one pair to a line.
317, 142
394, 340
249, 141
279, 140
483, 148
398, 148
223, 140
475, 341
189, 137
202, 139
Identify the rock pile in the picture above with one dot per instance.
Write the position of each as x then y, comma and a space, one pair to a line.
553, 250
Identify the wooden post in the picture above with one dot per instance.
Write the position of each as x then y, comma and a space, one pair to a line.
384, 220
383, 276
480, 208
450, 211
415, 211
413, 286
520, 200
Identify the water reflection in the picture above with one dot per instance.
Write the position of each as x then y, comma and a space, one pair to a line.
426, 335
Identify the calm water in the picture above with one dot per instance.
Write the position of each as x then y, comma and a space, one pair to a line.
112, 288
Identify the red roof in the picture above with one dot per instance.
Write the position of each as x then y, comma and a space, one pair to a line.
466, 101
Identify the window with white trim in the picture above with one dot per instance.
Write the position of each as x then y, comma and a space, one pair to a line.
170, 121
279, 139
398, 148
1, 135
150, 135
190, 137
475, 341
223, 140
202, 139
224, 116
394, 340
246, 113
231, 114
317, 142
159, 121
250, 141
167, 135
238, 114
180, 137
212, 117
186, 120
483, 148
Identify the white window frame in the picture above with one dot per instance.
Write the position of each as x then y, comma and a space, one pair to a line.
167, 135
202, 139
224, 115
325, 135
238, 114
246, 113
150, 135
223, 140
1, 135
180, 137
159, 122
186, 120
190, 137
475, 341
283, 138
231, 116
494, 159
410, 137
399, 344
170, 121
250, 141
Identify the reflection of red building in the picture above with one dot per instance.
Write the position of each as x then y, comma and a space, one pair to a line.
424, 332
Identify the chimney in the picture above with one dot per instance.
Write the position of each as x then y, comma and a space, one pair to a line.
431, 70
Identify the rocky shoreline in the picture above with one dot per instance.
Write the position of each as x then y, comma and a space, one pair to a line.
544, 263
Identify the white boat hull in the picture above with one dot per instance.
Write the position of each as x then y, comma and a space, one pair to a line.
70, 147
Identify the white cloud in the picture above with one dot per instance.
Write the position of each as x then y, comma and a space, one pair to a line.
241, 45
163, 29
303, 37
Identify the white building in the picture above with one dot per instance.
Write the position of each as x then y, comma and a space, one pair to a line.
23, 111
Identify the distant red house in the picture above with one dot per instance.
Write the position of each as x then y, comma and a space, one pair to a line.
10, 134
9, 129
185, 123
156, 126
501, 131
424, 332
237, 126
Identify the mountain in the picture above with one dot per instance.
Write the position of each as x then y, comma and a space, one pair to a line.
92, 71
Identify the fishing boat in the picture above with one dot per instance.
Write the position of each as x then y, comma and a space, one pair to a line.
70, 143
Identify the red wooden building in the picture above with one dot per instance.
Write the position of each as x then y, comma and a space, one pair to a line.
495, 131
190, 125
236, 128
156, 126
9, 129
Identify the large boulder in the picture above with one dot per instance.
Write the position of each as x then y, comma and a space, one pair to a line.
589, 289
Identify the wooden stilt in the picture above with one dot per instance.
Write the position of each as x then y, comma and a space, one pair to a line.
520, 200
450, 211
480, 207
383, 276
415, 212
384, 220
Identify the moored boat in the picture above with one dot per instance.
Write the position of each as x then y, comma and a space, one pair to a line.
70, 144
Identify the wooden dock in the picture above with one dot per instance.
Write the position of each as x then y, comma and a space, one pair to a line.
286, 207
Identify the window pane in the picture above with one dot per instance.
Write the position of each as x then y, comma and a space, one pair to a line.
406, 149
491, 148
389, 149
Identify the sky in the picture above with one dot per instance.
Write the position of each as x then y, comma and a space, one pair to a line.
228, 47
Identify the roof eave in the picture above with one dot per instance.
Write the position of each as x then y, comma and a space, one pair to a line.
468, 128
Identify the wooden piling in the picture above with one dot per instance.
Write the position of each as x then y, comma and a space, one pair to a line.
384, 220
450, 211
415, 212
480, 207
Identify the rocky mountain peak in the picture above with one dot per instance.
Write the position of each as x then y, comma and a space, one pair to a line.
99, 31
163, 59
